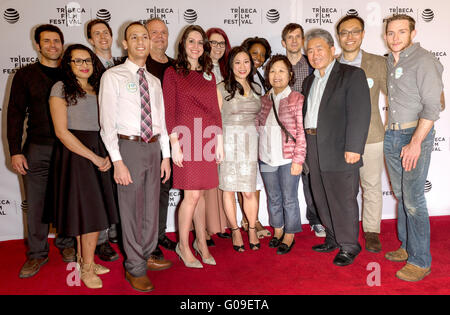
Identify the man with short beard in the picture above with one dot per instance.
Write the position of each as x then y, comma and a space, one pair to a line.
414, 94
30, 92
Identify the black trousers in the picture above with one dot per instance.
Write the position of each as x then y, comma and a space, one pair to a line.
164, 205
311, 208
39, 158
335, 196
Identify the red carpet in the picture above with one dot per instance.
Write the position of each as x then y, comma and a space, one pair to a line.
302, 271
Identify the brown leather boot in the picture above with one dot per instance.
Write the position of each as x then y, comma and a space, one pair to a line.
142, 284
373, 243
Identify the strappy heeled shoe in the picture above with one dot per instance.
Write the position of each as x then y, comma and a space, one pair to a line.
208, 261
253, 246
238, 248
194, 264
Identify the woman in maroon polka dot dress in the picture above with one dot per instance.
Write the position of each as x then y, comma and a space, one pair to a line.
194, 123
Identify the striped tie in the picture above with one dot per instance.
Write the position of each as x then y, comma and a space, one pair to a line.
146, 113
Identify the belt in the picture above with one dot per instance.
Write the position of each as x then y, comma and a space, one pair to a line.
138, 138
311, 131
399, 126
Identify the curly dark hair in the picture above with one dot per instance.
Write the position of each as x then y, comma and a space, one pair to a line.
182, 64
72, 89
271, 62
249, 42
231, 85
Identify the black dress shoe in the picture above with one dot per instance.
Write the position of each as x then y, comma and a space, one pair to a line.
284, 248
105, 252
167, 243
275, 241
210, 243
224, 235
325, 248
344, 258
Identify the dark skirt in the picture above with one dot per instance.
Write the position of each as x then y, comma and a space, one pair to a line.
81, 198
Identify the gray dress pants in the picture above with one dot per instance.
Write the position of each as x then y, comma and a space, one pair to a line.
139, 203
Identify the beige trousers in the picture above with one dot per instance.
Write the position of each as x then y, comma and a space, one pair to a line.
370, 175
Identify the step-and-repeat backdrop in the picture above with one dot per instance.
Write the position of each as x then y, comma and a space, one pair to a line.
239, 19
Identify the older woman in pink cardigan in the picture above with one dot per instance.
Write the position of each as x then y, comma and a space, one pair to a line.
282, 151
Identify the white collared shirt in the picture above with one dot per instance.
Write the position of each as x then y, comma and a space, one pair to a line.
120, 107
270, 140
315, 96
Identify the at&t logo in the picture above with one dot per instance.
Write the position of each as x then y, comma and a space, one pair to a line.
428, 15
11, 15
104, 14
190, 16
273, 16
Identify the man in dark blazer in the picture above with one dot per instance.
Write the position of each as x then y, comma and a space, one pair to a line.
336, 115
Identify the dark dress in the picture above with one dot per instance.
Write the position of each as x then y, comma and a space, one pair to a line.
192, 110
83, 198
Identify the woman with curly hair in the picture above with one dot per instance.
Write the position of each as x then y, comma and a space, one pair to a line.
83, 189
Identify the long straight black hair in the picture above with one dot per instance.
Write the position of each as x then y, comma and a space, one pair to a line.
231, 85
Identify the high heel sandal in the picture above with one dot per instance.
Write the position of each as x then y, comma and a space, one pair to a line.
253, 246
208, 261
238, 248
261, 230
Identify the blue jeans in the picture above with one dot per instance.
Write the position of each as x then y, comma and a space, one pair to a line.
413, 223
282, 196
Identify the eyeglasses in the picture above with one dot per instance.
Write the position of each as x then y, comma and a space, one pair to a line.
346, 33
79, 61
217, 44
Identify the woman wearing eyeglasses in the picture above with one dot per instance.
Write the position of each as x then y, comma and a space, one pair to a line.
216, 221
83, 189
